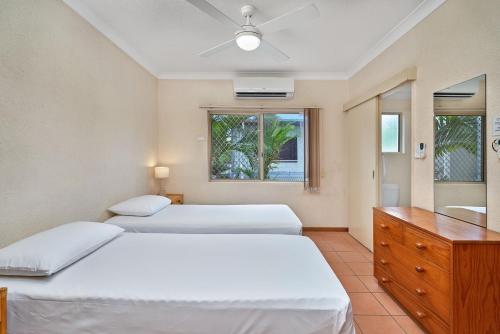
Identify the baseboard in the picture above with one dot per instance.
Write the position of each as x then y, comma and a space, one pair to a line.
325, 229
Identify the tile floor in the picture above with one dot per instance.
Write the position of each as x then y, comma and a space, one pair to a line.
374, 311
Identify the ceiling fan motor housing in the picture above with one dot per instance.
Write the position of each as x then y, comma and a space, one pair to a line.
247, 10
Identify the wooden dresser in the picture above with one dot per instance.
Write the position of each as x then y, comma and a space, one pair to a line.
445, 272
3, 311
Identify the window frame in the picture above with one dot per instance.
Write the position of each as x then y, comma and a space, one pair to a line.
483, 141
400, 133
260, 116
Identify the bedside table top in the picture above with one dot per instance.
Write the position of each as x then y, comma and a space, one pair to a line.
3, 310
176, 198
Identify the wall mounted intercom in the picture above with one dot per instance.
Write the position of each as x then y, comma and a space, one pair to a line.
420, 151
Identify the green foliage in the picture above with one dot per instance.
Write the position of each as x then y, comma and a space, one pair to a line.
276, 134
239, 134
456, 132
234, 133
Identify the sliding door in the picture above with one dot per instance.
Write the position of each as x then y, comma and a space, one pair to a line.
362, 146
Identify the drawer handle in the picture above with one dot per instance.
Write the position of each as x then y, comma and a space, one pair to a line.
384, 226
420, 292
419, 269
384, 244
420, 315
420, 245
385, 280
383, 261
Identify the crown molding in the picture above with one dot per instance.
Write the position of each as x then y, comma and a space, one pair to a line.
418, 14
232, 75
78, 7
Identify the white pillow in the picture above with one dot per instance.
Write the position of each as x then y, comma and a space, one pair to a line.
47, 252
141, 206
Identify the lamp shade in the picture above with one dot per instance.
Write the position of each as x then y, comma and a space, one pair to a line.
162, 172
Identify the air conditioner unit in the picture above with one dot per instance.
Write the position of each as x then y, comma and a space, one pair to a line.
263, 88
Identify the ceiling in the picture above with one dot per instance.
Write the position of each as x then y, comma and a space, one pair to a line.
165, 36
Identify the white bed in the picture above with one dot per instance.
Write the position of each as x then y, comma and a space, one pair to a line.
216, 219
174, 283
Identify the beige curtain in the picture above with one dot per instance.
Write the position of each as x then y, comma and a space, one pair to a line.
311, 149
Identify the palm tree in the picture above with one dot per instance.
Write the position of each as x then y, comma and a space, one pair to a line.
456, 132
235, 144
276, 134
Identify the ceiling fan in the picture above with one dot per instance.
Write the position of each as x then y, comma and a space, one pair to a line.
248, 36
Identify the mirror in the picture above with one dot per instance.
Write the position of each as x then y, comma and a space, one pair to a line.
459, 151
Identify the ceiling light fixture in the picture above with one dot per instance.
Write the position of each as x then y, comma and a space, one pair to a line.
248, 40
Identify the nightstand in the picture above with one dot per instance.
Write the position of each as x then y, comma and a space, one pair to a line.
176, 198
3, 310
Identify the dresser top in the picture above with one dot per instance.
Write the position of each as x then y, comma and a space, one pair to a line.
448, 228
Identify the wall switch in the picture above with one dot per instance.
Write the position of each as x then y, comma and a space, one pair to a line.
496, 126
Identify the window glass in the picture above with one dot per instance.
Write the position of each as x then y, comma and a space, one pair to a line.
284, 147
459, 148
234, 147
390, 133
236, 144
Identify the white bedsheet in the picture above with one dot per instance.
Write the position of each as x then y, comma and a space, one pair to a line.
173, 283
217, 219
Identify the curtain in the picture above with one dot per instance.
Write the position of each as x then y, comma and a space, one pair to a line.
312, 149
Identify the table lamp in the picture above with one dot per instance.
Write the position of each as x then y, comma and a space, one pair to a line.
162, 173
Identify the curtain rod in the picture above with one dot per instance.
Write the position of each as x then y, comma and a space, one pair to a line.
244, 107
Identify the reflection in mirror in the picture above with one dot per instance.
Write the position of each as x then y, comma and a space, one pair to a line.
459, 151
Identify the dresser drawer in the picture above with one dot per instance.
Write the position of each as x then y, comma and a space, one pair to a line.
385, 225
427, 247
419, 268
422, 291
424, 316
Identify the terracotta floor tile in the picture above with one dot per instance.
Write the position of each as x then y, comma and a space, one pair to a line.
352, 257
340, 268
408, 325
343, 246
368, 256
332, 257
325, 246
360, 268
371, 283
389, 304
358, 330
378, 325
352, 283
366, 304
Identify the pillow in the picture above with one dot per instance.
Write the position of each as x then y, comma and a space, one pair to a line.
45, 253
141, 206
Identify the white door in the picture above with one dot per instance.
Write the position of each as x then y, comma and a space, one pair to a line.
362, 143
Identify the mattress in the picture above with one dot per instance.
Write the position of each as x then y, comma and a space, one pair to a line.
216, 219
186, 283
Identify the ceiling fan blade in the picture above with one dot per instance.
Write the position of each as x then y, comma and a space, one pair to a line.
273, 51
210, 10
290, 19
217, 48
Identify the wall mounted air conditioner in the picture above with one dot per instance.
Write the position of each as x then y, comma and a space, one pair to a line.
263, 88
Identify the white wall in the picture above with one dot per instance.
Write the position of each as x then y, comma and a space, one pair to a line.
77, 120
457, 42
181, 122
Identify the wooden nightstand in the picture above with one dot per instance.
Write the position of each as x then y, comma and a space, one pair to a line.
176, 198
3, 310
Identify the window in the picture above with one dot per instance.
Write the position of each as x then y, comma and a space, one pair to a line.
391, 133
262, 146
459, 151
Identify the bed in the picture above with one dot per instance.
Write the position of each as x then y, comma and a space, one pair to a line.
215, 219
186, 283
